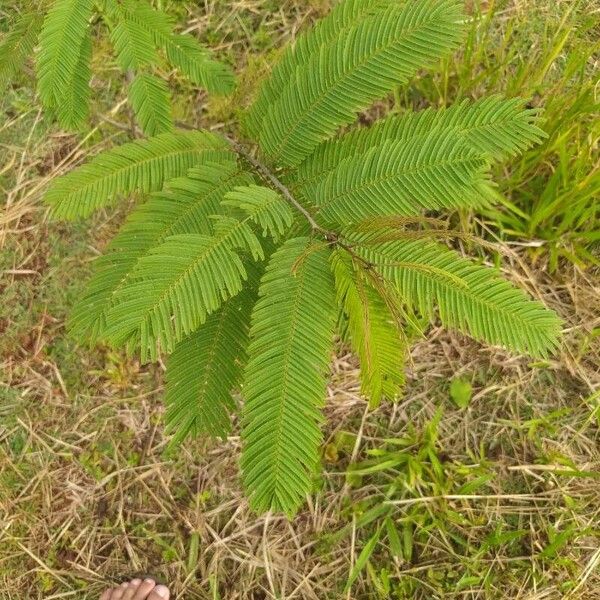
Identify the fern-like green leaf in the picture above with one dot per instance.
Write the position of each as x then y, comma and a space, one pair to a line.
284, 383
172, 291
17, 46
62, 41
133, 43
184, 207
143, 165
264, 206
491, 126
374, 335
344, 15
178, 284
74, 107
484, 306
182, 51
430, 172
363, 63
149, 97
185, 275
185, 53
204, 369
239, 235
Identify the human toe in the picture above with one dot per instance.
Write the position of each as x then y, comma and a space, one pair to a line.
160, 592
144, 589
131, 589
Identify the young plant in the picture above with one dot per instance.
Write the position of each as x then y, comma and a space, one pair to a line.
137, 32
245, 258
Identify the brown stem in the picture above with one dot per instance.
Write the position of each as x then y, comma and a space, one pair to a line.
275, 182
267, 174
331, 236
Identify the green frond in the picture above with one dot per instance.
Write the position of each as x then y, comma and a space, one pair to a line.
143, 165
17, 46
182, 50
183, 207
403, 178
386, 222
173, 288
185, 52
171, 292
492, 126
484, 305
133, 43
149, 97
156, 22
186, 273
205, 368
239, 235
344, 15
62, 41
394, 227
373, 334
74, 107
285, 379
264, 206
362, 64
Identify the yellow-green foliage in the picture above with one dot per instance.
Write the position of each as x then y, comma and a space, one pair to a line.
137, 33
180, 278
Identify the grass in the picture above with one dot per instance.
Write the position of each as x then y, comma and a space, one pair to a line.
551, 60
484, 494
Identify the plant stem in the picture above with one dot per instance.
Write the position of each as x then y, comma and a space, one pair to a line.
331, 236
265, 172
274, 181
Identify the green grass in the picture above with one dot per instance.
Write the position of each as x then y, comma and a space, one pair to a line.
425, 505
547, 53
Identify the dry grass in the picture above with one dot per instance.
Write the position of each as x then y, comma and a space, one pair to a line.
89, 495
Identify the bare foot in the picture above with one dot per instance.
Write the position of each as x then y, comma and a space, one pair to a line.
137, 589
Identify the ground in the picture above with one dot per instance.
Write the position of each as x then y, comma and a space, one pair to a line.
487, 494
